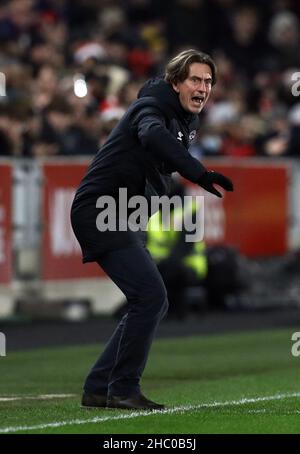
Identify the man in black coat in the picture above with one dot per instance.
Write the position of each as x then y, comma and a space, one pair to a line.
149, 143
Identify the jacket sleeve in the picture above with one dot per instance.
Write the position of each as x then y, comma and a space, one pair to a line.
153, 134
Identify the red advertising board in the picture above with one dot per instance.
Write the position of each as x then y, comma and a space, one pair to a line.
254, 218
5, 223
61, 254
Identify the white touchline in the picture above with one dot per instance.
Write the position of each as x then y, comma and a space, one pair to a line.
39, 397
137, 414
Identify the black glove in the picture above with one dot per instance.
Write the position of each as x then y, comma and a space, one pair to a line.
209, 178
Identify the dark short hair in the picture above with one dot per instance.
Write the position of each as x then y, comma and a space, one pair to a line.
177, 69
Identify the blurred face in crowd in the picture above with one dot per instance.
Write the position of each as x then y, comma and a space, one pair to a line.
245, 25
60, 121
194, 91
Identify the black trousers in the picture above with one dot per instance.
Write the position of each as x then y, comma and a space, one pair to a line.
119, 368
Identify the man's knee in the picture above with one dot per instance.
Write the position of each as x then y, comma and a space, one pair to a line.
164, 308
157, 299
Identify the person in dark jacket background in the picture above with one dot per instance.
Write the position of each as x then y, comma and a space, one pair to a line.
149, 143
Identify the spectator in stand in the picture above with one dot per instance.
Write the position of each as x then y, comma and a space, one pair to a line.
246, 45
284, 35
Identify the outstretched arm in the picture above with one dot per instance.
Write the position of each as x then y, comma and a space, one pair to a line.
154, 136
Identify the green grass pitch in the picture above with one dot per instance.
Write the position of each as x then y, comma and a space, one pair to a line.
234, 383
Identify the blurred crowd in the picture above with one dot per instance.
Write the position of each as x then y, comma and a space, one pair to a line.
72, 67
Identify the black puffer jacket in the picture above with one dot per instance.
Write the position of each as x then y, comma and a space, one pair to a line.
148, 144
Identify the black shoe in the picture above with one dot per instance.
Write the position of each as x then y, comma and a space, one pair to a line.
93, 400
137, 402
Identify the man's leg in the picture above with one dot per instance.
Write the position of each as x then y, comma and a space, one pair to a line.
175, 279
120, 367
98, 378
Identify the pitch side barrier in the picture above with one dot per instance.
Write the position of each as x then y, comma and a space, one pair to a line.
40, 260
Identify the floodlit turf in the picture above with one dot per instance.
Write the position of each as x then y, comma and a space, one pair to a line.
202, 380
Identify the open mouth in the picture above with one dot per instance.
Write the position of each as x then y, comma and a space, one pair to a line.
198, 100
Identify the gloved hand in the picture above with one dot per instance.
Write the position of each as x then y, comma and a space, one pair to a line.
209, 178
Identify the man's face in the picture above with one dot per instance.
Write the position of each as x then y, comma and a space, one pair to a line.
194, 91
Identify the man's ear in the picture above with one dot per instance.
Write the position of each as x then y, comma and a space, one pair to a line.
175, 87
